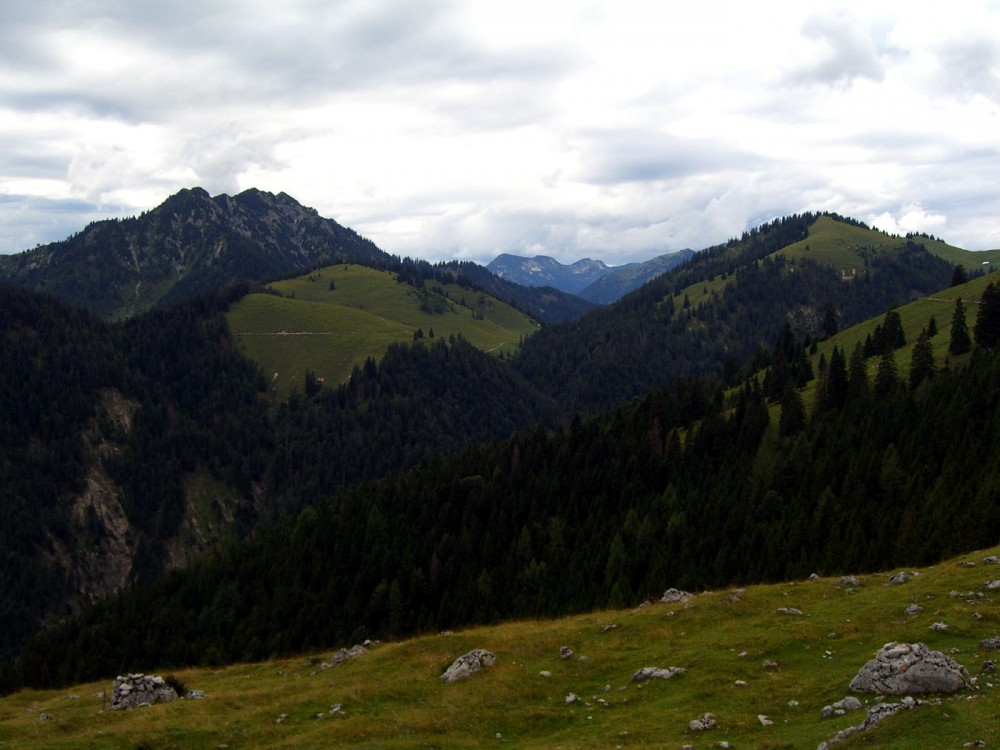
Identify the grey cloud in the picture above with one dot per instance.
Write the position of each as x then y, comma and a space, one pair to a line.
644, 156
848, 53
27, 221
971, 67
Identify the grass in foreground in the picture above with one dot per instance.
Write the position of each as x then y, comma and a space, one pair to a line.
392, 697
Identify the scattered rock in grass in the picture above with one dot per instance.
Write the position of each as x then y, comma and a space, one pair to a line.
814, 576
656, 673
939, 626
703, 722
993, 585
914, 609
899, 578
989, 666
336, 709
281, 718
850, 703
194, 695
672, 596
789, 611
565, 652
572, 698
993, 643
740, 683
875, 715
764, 721
137, 690
848, 581
545, 673
45, 717
610, 626
975, 743
991, 560
904, 668
471, 662
770, 664
967, 564
343, 655
976, 616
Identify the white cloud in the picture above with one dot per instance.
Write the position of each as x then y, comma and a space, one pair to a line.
447, 128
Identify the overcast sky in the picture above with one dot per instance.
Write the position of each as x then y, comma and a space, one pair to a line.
613, 129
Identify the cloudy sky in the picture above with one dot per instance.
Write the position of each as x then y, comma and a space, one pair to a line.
613, 129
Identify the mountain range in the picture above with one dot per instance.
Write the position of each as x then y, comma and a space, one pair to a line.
593, 280
446, 480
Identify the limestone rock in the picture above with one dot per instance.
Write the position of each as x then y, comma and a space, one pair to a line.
905, 668
137, 690
471, 662
789, 611
703, 722
914, 609
939, 626
875, 715
656, 673
343, 655
672, 596
993, 643
900, 577
991, 560
565, 652
850, 703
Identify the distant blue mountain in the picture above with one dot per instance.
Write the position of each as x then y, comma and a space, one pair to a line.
593, 280
544, 271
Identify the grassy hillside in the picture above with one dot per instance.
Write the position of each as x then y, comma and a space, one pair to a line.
914, 317
843, 246
392, 696
312, 326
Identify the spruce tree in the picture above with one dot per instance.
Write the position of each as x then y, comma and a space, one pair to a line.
857, 376
987, 330
922, 360
793, 412
960, 342
886, 376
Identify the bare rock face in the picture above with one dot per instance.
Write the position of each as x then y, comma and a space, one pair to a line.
906, 668
471, 662
137, 690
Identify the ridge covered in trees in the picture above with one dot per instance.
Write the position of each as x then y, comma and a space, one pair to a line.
600, 511
679, 488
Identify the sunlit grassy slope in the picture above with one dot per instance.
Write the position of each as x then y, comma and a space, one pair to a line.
392, 697
915, 317
329, 331
843, 246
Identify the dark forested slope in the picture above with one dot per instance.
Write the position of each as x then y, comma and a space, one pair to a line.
601, 512
712, 315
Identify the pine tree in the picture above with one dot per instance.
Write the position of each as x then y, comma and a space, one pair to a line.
922, 360
987, 330
886, 376
857, 376
959, 276
830, 320
793, 412
960, 342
